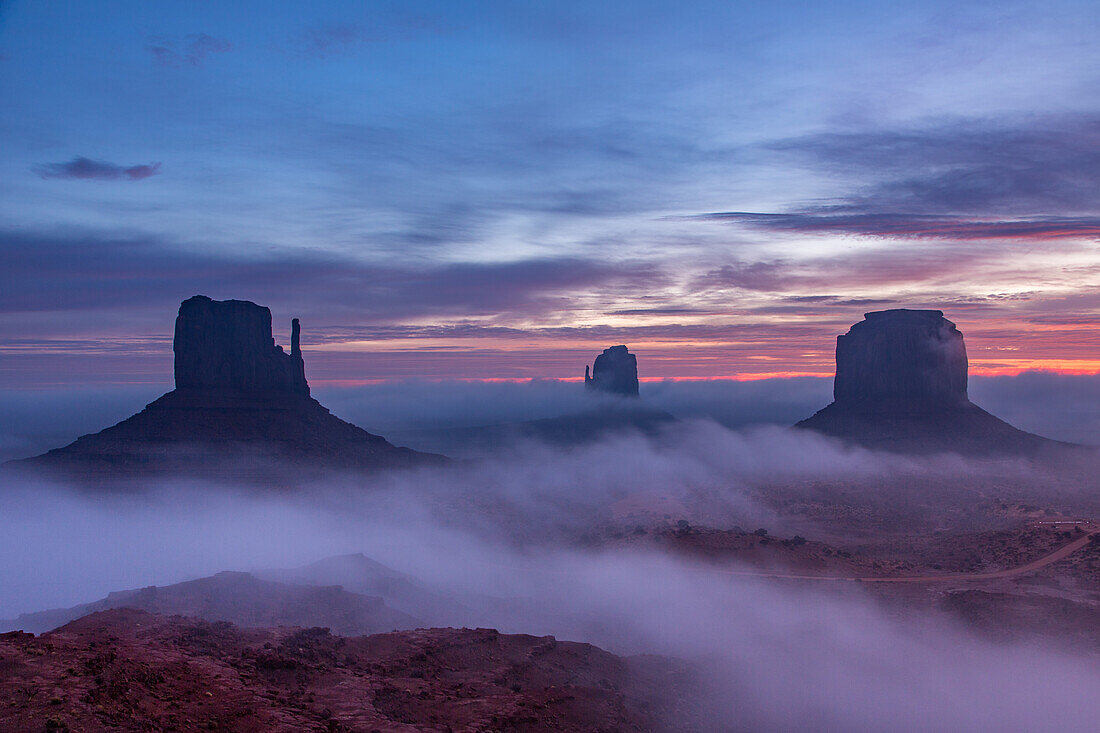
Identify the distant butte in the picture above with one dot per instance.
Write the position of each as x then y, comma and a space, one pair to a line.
241, 409
901, 384
615, 371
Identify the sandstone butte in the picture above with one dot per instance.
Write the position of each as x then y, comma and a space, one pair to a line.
901, 384
241, 409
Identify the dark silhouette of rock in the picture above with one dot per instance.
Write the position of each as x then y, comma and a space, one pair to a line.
615, 375
227, 344
241, 410
901, 360
901, 385
615, 372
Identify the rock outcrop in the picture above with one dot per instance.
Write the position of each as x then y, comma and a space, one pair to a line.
241, 410
615, 371
901, 361
227, 344
126, 669
900, 384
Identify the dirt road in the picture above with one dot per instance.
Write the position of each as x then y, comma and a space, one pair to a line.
1060, 554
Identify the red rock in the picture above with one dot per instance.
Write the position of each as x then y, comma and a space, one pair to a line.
130, 670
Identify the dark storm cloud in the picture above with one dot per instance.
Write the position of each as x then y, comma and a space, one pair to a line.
191, 49
87, 169
65, 273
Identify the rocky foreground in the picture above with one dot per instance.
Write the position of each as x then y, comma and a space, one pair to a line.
131, 670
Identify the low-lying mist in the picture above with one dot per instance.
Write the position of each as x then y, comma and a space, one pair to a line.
63, 543
507, 537
771, 655
1058, 406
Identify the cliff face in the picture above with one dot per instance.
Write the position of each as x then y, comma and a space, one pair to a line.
227, 344
901, 360
615, 372
901, 385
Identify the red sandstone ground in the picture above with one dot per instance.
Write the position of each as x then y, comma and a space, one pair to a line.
130, 670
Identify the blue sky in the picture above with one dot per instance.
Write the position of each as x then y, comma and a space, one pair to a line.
500, 188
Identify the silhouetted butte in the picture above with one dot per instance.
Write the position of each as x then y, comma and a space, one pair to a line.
900, 384
241, 409
615, 371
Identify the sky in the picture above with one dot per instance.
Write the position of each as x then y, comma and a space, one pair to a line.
499, 190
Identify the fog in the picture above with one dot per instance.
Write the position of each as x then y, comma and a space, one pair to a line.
1063, 407
1059, 406
67, 542
773, 655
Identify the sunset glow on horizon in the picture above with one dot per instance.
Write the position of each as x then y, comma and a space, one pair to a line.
500, 191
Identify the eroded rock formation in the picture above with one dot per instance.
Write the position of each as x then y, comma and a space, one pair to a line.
241, 410
901, 385
615, 371
227, 344
901, 360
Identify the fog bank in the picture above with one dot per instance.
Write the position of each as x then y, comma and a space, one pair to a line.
1063, 407
772, 655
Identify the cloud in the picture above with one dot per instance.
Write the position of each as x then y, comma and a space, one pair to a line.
384, 25
812, 277
191, 49
67, 272
87, 169
1048, 164
910, 226
972, 180
330, 39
